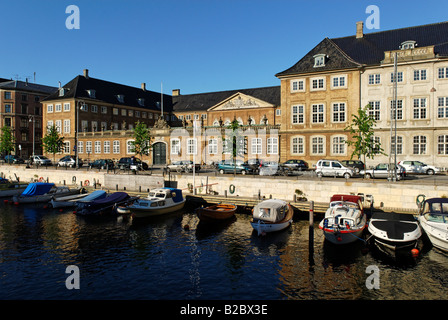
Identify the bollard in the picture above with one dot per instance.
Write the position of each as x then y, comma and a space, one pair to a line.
225, 193
311, 233
116, 187
139, 188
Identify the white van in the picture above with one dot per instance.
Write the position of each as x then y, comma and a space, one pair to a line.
333, 168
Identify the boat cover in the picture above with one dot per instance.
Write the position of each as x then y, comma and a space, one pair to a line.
178, 197
111, 199
37, 189
270, 210
395, 224
98, 194
345, 197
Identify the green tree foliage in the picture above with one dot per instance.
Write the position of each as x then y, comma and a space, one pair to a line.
6, 140
52, 141
142, 139
234, 143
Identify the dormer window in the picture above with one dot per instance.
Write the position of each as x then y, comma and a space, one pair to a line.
141, 101
410, 44
91, 93
61, 92
319, 60
120, 98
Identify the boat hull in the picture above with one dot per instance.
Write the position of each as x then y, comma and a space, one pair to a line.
263, 227
216, 213
66, 202
342, 237
12, 190
144, 212
45, 197
436, 232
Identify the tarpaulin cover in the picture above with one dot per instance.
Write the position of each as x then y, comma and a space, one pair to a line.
37, 189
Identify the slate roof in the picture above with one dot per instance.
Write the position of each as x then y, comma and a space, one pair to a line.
203, 101
107, 92
369, 50
26, 86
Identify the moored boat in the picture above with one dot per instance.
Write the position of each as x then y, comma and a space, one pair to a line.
393, 232
159, 201
433, 218
217, 212
104, 206
37, 192
72, 200
344, 220
271, 215
11, 188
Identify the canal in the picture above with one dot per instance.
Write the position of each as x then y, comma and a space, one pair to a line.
177, 258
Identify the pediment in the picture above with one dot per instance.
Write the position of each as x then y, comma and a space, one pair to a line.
240, 101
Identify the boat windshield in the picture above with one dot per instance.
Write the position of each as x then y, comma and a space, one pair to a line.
343, 203
436, 207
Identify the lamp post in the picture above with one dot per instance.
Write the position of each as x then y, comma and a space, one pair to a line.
31, 119
78, 105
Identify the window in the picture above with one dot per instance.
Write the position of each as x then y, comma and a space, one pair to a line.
80, 147
103, 109
120, 98
130, 148
191, 146
49, 108
94, 108
399, 145
84, 107
150, 115
442, 144
66, 126
141, 101
188, 117
339, 82
298, 114
338, 145
91, 93
420, 108
374, 110
376, 145
115, 111
297, 85
317, 145
124, 112
419, 145
399, 77
442, 109
84, 125
318, 83
8, 122
256, 145
443, 73
144, 114
278, 112
94, 126
317, 113
375, 78
272, 146
67, 106
410, 44
58, 124
419, 75
213, 146
49, 124
339, 112
175, 146
137, 114
196, 117
319, 60
297, 145
8, 108
103, 125
399, 109
106, 148
116, 147
97, 146
57, 107
67, 147
88, 146
131, 113
24, 136
7, 95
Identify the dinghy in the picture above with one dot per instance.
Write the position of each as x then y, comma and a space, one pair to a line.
271, 215
433, 218
217, 212
344, 220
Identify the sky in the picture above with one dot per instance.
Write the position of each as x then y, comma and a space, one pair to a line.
192, 45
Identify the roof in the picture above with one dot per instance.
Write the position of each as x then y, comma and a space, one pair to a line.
25, 86
348, 52
204, 101
107, 92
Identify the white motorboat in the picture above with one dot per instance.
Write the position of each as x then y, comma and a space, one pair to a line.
72, 200
344, 221
37, 192
271, 215
433, 219
159, 201
394, 232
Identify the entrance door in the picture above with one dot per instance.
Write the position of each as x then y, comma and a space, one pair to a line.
159, 153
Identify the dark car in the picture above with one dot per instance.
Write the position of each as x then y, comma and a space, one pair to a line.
132, 163
299, 165
254, 164
102, 164
357, 165
13, 159
227, 166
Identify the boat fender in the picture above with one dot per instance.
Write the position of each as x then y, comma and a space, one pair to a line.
74, 179
41, 179
420, 199
232, 189
86, 183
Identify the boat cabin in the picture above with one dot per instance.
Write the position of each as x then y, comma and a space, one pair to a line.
271, 210
159, 197
436, 210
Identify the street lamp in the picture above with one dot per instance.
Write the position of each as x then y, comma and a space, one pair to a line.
31, 119
78, 105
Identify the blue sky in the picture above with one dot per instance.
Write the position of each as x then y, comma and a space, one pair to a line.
192, 45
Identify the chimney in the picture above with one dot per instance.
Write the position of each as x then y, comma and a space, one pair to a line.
176, 92
143, 86
86, 73
359, 30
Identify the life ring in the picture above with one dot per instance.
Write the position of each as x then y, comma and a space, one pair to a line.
86, 183
232, 188
74, 179
41, 179
418, 201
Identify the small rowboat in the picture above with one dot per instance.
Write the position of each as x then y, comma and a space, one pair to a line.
222, 211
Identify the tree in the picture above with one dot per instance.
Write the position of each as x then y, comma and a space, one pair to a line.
142, 139
234, 144
361, 130
6, 140
52, 141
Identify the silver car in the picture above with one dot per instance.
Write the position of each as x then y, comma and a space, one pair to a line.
412, 166
381, 171
333, 168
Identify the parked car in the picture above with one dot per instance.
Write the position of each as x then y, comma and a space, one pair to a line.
13, 159
333, 168
412, 166
382, 171
299, 165
70, 161
254, 164
40, 160
183, 166
274, 168
357, 165
228, 166
132, 163
102, 164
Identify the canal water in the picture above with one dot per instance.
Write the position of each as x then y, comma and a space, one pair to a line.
177, 258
